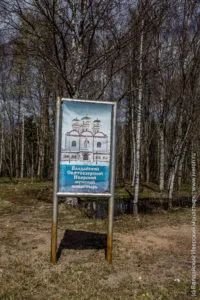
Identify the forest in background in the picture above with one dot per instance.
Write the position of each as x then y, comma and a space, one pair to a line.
143, 54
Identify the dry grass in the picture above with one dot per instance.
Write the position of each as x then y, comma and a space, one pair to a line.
151, 256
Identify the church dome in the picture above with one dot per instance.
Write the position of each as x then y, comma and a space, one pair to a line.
86, 118
96, 121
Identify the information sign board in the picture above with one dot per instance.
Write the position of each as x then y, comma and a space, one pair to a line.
84, 157
85, 154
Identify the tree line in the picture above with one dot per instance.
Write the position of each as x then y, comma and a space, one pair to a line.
143, 54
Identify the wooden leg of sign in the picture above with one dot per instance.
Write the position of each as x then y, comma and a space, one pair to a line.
110, 229
54, 231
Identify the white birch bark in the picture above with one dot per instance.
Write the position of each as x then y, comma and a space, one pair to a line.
133, 146
77, 47
139, 118
180, 167
123, 153
178, 151
75, 51
161, 123
171, 186
132, 129
162, 160
180, 142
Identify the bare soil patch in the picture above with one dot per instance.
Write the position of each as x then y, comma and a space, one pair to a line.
151, 256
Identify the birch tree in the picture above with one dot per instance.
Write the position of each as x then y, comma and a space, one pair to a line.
139, 119
185, 57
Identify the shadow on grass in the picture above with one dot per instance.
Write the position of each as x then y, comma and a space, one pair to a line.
82, 240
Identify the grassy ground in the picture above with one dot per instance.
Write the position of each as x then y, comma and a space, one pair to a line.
151, 255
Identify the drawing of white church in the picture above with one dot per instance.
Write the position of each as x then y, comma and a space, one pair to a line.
85, 142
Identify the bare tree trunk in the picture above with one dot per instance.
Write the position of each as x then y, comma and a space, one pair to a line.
38, 153
16, 150
147, 167
41, 156
162, 160
177, 148
133, 152
22, 145
146, 148
78, 47
161, 122
138, 131
11, 159
180, 141
180, 167
132, 130
171, 186
43, 135
32, 164
177, 155
2, 141
123, 153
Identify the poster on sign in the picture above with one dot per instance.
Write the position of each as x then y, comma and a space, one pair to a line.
85, 147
